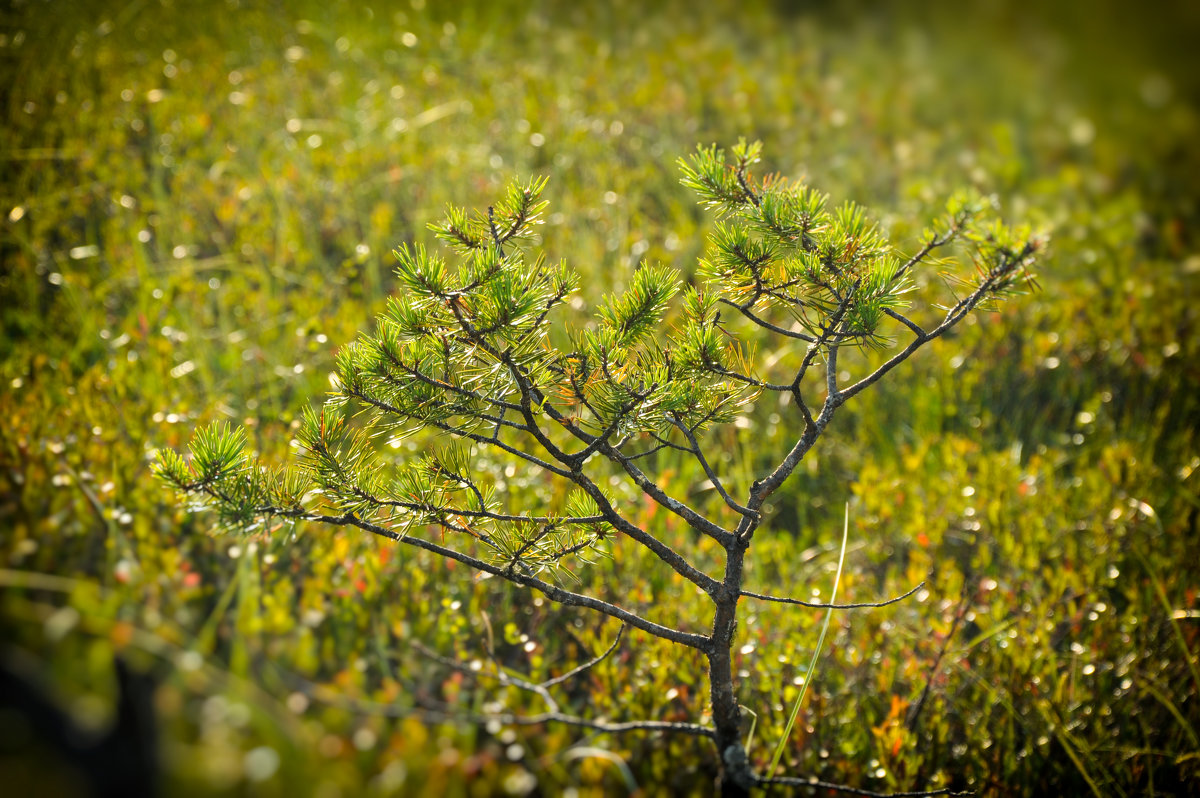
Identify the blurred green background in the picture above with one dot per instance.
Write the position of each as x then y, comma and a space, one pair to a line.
197, 206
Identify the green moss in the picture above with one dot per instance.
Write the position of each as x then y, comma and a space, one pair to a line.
197, 207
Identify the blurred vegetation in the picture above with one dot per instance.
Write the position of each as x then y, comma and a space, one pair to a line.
197, 207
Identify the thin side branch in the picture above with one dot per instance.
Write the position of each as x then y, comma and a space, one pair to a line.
708, 470
504, 678
472, 436
930, 245
953, 316
744, 309
793, 781
741, 177
444, 713
819, 606
541, 689
443, 385
550, 591
829, 337
914, 713
664, 552
769, 484
907, 322
694, 519
589, 664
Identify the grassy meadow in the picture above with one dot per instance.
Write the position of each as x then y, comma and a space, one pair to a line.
198, 203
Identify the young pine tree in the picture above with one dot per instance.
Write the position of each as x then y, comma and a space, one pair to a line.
473, 351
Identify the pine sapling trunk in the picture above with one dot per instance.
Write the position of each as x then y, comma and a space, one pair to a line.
736, 777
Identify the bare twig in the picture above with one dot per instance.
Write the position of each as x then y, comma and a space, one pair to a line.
930, 245
439, 712
953, 316
708, 470
792, 781
589, 664
819, 606
694, 519
541, 689
461, 433
745, 310
907, 322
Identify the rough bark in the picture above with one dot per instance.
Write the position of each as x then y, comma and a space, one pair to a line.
736, 777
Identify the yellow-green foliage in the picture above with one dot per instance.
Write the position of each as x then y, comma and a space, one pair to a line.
200, 203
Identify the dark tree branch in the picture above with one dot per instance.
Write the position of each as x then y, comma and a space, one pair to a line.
769, 484
717, 368
800, 403
437, 512
663, 443
464, 239
459, 479
496, 239
932, 244
831, 388
741, 177
550, 591
537, 323
518, 221
651, 489
813, 426
461, 433
907, 322
745, 310
708, 470
541, 689
530, 393
820, 606
953, 316
589, 664
828, 337
438, 712
638, 397
662, 550
792, 781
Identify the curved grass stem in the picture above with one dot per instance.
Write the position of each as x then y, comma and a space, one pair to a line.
812, 665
